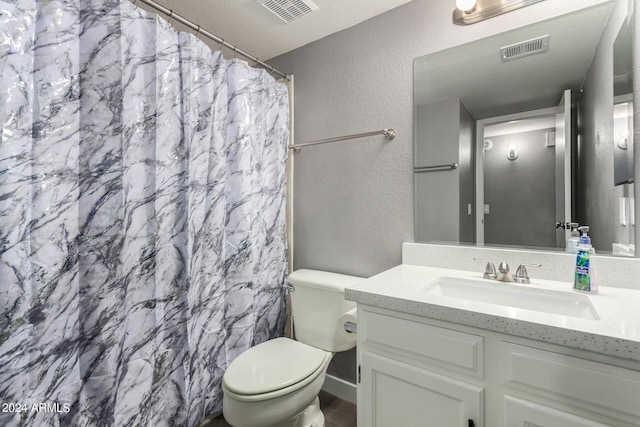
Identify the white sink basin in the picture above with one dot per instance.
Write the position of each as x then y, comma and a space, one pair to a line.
507, 294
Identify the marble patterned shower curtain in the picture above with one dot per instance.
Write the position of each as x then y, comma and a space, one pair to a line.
142, 220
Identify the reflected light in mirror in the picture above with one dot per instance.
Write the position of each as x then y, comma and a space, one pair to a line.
512, 154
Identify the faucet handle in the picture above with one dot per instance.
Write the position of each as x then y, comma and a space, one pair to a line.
489, 269
522, 275
503, 273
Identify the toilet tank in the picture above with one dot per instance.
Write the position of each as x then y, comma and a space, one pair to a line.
317, 302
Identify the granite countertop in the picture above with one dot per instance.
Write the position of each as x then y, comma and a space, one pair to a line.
615, 333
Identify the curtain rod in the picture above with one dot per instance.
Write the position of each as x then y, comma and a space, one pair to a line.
198, 30
388, 133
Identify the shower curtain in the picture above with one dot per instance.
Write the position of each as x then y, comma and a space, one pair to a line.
142, 220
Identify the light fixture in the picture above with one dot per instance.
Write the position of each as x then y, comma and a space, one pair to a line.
512, 154
465, 5
471, 11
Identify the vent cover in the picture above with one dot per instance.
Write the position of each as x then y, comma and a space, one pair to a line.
525, 48
289, 10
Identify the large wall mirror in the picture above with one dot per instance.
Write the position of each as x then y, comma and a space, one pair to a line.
521, 134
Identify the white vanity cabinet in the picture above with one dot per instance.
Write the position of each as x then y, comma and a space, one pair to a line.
416, 371
519, 412
403, 379
399, 394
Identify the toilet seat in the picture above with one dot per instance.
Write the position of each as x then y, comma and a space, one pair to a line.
273, 368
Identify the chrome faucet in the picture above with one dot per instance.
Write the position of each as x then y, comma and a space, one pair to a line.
522, 275
489, 269
503, 274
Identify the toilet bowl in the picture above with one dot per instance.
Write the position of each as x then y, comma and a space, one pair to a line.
276, 383
287, 377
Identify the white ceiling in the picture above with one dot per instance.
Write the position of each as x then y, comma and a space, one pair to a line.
252, 28
520, 126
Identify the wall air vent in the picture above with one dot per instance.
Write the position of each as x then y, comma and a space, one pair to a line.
525, 48
289, 10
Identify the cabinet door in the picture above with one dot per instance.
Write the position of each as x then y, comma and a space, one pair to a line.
522, 413
395, 394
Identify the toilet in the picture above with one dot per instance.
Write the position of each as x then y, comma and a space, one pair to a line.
276, 383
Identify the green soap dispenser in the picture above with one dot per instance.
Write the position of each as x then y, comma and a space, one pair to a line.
584, 278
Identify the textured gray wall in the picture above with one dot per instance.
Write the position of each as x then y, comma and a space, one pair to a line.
598, 203
353, 201
444, 131
438, 133
466, 163
636, 124
520, 193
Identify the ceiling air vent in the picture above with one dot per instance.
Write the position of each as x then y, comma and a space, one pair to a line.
289, 10
525, 48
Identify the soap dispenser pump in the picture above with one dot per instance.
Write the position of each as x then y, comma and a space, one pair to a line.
584, 278
574, 238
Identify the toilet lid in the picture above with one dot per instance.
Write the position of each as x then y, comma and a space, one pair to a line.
271, 366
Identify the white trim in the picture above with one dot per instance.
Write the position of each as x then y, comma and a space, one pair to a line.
289, 202
340, 388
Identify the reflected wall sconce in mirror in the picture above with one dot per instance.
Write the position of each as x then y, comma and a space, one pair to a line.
623, 142
469, 12
512, 154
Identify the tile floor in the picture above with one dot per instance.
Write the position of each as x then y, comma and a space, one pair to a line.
337, 413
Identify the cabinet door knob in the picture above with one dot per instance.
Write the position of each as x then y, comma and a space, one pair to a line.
471, 423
